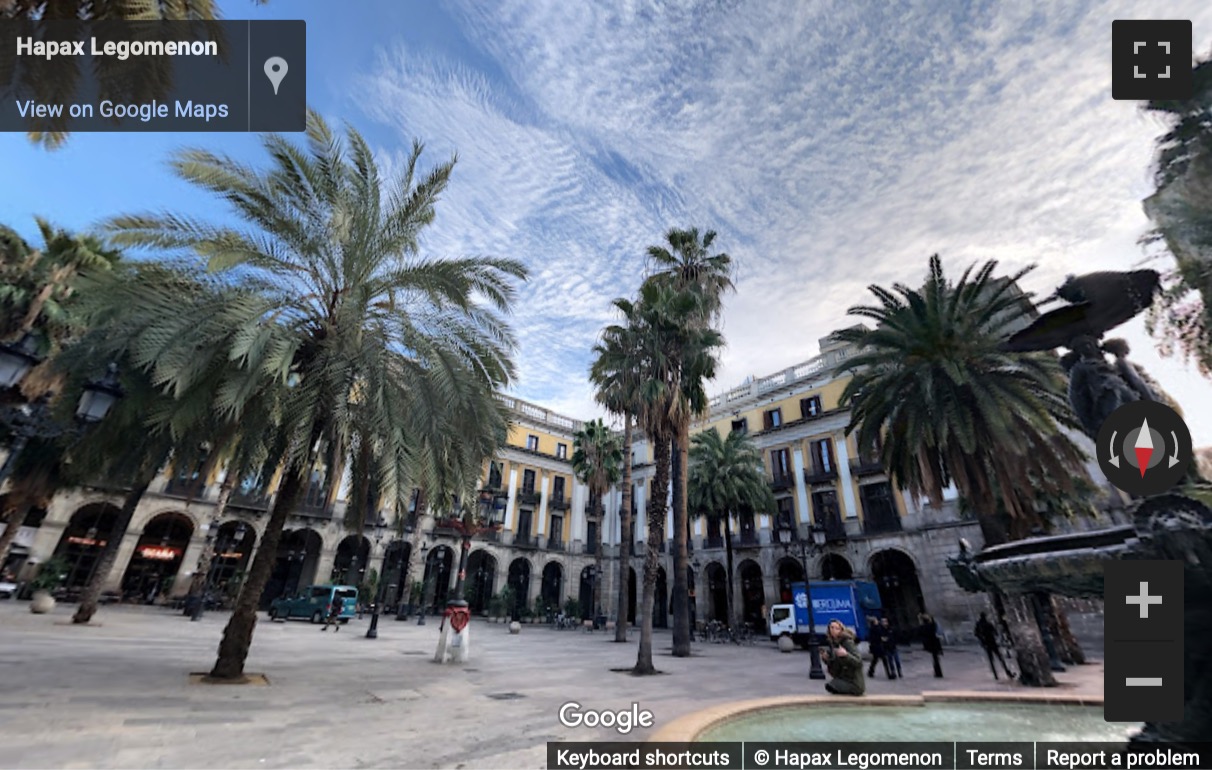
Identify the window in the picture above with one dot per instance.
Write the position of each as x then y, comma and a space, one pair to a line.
532, 443
822, 456
779, 614
780, 463
561, 451
740, 426
557, 530
557, 488
773, 418
786, 515
591, 536
810, 407
494, 475
528, 482
524, 518
319, 592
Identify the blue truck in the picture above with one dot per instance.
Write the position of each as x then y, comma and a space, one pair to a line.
850, 601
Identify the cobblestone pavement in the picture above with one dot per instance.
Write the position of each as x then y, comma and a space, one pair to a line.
117, 695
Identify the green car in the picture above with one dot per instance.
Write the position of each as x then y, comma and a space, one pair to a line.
315, 602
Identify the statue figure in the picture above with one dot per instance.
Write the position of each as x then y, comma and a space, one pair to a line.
1099, 302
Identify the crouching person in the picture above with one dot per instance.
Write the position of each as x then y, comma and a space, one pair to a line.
841, 658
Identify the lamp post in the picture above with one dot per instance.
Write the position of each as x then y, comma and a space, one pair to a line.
473, 521
373, 631
787, 535
213, 548
424, 586
34, 420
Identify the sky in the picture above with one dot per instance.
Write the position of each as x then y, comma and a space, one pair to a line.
831, 145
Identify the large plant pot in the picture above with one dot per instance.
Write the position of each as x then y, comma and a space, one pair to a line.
42, 603
515, 627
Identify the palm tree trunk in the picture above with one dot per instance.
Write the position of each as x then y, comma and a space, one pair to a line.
113, 541
1070, 649
237, 635
681, 554
620, 626
16, 517
597, 556
732, 618
1035, 670
656, 535
202, 573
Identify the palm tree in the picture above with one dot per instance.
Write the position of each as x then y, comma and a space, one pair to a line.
727, 475
57, 80
596, 457
671, 350
614, 372
951, 406
688, 266
338, 316
36, 290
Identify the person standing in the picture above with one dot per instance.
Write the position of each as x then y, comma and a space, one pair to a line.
843, 661
986, 634
876, 645
931, 642
334, 614
892, 656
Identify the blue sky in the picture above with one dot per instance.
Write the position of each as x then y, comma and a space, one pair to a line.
831, 144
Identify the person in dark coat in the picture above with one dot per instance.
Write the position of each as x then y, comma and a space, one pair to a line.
334, 614
843, 661
986, 634
892, 656
928, 630
877, 647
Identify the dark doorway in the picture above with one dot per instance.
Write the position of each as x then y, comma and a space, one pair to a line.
295, 568
234, 546
349, 566
717, 590
552, 590
836, 567
660, 605
585, 593
519, 581
753, 595
790, 571
83, 540
900, 592
394, 580
157, 558
479, 581
436, 583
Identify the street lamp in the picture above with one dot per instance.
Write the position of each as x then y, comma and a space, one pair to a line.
373, 631
35, 420
788, 535
424, 584
17, 359
210, 559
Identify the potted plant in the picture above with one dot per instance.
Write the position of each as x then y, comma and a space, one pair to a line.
496, 608
50, 576
509, 602
572, 609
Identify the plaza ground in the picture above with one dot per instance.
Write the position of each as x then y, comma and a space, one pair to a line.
117, 695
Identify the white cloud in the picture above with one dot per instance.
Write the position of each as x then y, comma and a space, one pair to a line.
832, 145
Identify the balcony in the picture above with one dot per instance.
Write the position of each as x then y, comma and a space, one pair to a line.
714, 541
559, 503
526, 541
745, 540
590, 548
556, 545
835, 530
447, 527
528, 497
253, 500
314, 502
818, 476
866, 467
781, 482
189, 489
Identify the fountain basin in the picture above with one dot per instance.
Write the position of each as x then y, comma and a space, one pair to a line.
935, 716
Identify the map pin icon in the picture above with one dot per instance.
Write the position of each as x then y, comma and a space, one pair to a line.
275, 70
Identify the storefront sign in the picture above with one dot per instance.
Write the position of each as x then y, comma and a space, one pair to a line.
85, 541
159, 552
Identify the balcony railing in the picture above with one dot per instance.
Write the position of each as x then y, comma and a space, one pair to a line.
525, 541
555, 545
256, 500
781, 482
314, 502
863, 467
528, 497
714, 541
745, 540
559, 503
590, 548
191, 489
819, 476
835, 531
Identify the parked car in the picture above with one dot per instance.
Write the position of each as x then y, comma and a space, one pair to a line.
315, 602
8, 589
